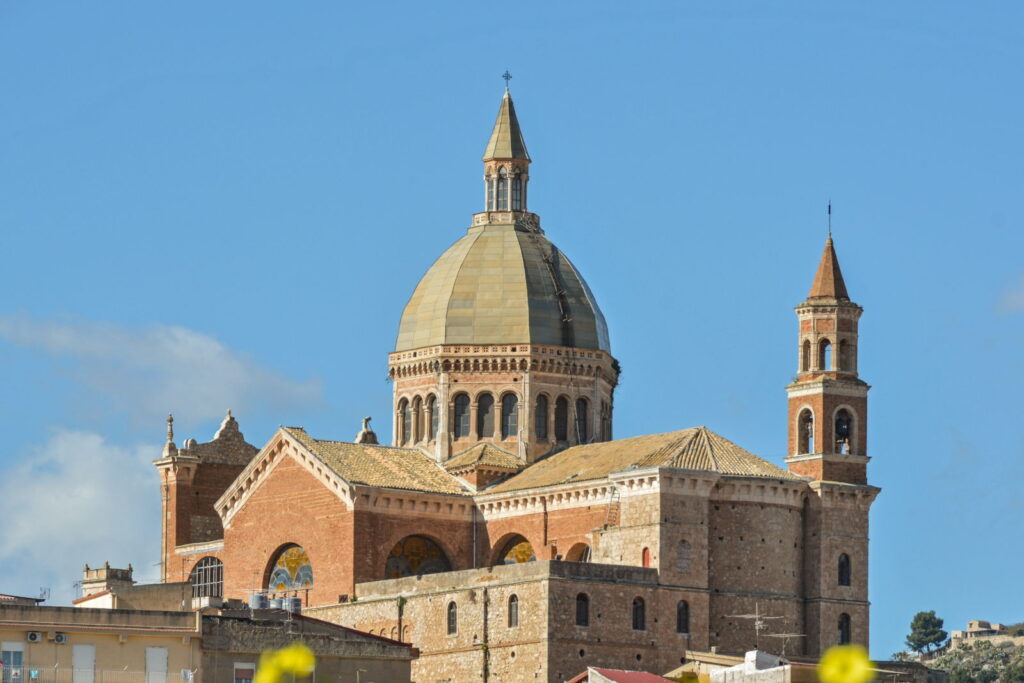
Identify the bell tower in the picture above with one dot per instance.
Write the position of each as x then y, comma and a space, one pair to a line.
828, 402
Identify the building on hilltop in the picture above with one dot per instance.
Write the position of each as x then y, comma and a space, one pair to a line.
504, 533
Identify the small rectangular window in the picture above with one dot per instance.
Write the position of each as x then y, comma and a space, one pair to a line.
244, 672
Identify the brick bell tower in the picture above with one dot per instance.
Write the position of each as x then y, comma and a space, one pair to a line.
828, 402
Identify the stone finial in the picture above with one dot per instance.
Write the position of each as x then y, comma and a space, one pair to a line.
229, 427
169, 448
366, 435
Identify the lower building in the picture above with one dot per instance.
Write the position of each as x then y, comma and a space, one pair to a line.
82, 645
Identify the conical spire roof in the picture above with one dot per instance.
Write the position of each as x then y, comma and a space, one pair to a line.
506, 139
828, 281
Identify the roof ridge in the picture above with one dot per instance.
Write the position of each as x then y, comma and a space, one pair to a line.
705, 433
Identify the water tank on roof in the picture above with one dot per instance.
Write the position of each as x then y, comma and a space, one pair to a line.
292, 604
258, 601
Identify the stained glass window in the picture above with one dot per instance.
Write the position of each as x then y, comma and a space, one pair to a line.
291, 570
416, 555
516, 551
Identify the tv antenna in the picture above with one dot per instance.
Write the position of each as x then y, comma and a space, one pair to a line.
760, 622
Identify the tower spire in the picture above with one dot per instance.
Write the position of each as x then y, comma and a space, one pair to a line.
828, 281
506, 141
506, 161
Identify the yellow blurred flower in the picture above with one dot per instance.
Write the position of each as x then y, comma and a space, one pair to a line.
296, 659
845, 664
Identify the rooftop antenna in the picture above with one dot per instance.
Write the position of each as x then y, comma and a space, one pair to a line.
759, 622
508, 77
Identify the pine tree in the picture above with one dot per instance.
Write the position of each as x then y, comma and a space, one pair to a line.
925, 632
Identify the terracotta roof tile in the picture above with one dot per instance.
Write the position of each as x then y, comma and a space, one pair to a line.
385, 466
697, 448
828, 281
484, 454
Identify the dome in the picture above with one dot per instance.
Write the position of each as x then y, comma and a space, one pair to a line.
502, 284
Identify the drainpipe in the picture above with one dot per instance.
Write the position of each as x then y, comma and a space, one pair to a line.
473, 513
486, 647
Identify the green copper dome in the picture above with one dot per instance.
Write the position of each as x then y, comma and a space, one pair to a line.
501, 284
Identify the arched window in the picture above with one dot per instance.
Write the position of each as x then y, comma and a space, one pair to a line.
417, 420
516, 551
824, 355
582, 610
844, 355
404, 422
843, 431
844, 629
415, 556
432, 417
639, 614
513, 611
484, 415
207, 578
844, 570
582, 407
541, 418
517, 193
684, 555
805, 432
509, 416
453, 618
562, 419
490, 193
290, 570
683, 617
805, 356
502, 190
460, 417
645, 557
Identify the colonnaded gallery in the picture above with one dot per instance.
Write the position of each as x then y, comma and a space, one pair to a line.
505, 533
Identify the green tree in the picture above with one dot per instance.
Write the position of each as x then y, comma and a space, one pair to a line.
925, 632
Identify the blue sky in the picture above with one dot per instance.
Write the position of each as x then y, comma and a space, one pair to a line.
226, 205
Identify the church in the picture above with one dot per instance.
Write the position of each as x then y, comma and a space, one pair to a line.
505, 533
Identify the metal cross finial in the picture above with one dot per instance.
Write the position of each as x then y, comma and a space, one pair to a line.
508, 77
830, 218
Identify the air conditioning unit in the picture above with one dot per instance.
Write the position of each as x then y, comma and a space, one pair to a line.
186, 674
34, 637
60, 638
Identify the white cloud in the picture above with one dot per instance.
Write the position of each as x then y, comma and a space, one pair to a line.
77, 499
146, 372
1013, 298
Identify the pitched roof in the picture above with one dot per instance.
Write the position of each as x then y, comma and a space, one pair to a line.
484, 455
385, 466
696, 448
506, 139
828, 281
618, 676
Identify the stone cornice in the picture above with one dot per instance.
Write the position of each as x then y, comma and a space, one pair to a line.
199, 548
834, 387
420, 503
